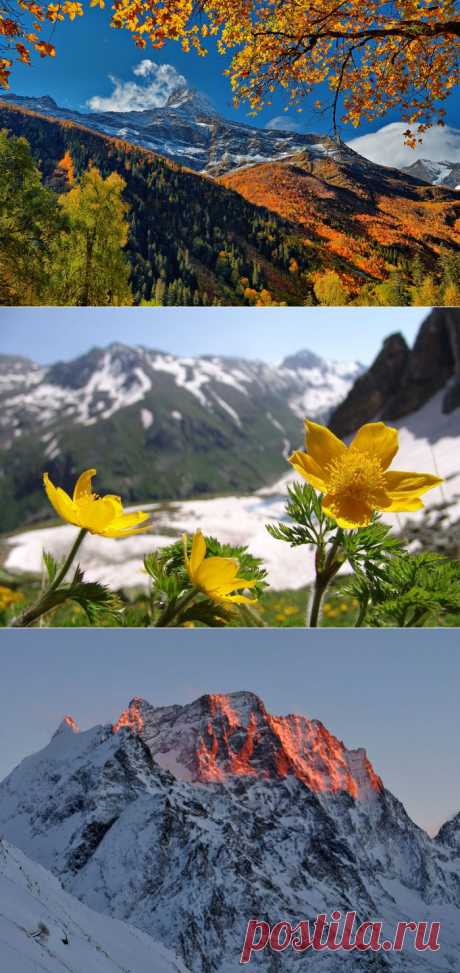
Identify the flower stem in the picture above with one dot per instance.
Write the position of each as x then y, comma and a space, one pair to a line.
44, 603
324, 576
171, 612
362, 612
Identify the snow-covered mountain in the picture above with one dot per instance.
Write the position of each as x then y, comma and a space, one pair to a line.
43, 928
186, 821
155, 425
189, 131
439, 173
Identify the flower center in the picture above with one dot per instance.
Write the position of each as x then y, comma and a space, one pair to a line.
357, 476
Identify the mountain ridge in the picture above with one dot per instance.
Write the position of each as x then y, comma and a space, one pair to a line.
189, 131
182, 416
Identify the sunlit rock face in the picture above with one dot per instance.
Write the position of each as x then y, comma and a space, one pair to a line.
186, 820
222, 736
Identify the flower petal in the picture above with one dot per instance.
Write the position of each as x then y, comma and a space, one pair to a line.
97, 515
400, 484
112, 531
61, 501
129, 520
198, 552
347, 511
240, 599
322, 445
235, 585
304, 464
215, 571
83, 485
409, 504
379, 440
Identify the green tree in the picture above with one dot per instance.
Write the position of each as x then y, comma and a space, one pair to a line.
393, 292
30, 221
329, 289
427, 294
90, 266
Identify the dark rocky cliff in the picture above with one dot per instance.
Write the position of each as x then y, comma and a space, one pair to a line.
401, 380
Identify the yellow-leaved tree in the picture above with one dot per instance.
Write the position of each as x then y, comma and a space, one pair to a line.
89, 265
377, 54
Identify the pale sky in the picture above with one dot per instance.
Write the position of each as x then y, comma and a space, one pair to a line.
50, 334
394, 693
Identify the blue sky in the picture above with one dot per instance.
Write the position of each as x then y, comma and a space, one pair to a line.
394, 693
50, 334
89, 51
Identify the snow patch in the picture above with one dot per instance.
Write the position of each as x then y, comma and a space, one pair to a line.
146, 418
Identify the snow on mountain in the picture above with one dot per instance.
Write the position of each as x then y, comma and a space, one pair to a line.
254, 816
94, 387
439, 173
449, 835
189, 131
43, 928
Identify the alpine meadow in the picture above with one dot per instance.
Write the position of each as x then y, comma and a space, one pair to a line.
149, 489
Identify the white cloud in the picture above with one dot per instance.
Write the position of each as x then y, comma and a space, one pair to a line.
146, 67
386, 147
161, 80
282, 123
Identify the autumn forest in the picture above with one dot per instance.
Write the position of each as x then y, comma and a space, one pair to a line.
87, 218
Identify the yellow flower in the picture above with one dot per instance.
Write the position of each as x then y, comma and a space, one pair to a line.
355, 479
216, 577
99, 515
8, 597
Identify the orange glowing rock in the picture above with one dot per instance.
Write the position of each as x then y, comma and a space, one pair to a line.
70, 722
131, 717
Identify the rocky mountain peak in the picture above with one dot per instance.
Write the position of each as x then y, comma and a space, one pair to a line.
67, 725
132, 717
259, 838
302, 359
372, 390
189, 98
401, 379
221, 737
449, 834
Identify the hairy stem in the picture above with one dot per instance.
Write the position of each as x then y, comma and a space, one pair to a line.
324, 577
45, 602
170, 613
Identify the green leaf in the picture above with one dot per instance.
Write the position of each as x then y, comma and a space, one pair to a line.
310, 523
96, 600
410, 590
51, 565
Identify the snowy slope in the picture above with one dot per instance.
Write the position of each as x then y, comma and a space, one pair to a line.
438, 173
101, 383
273, 830
45, 930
